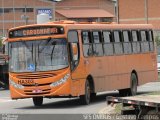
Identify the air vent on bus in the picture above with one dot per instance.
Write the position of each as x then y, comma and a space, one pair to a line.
35, 76
38, 85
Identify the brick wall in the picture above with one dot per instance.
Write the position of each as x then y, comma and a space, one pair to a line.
11, 19
88, 4
133, 11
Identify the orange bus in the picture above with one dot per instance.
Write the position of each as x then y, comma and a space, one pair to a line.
69, 59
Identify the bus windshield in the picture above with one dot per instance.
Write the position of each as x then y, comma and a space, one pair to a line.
38, 55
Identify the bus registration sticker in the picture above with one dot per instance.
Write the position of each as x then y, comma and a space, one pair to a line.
31, 67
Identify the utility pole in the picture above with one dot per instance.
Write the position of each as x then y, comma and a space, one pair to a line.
14, 13
146, 10
24, 16
3, 32
117, 11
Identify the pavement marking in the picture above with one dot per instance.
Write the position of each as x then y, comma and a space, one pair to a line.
5, 99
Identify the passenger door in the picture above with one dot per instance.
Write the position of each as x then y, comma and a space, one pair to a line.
74, 52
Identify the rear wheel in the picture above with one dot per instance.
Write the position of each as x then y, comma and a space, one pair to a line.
134, 82
38, 101
93, 96
133, 87
85, 99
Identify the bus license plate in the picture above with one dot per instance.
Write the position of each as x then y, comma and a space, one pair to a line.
37, 91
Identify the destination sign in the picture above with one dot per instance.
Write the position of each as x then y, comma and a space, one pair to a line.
36, 31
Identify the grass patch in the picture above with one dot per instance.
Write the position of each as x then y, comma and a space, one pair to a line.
118, 108
154, 93
158, 76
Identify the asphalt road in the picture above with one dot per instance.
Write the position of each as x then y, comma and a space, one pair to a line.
62, 105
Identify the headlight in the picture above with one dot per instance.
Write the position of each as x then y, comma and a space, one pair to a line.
15, 84
61, 81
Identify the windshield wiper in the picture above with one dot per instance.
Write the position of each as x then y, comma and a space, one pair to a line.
32, 52
52, 53
25, 44
48, 41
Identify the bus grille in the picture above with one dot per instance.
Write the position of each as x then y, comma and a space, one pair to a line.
35, 76
45, 84
44, 91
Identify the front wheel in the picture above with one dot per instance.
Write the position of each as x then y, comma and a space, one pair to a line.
85, 99
38, 101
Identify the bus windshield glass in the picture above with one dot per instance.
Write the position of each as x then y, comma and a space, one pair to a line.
38, 55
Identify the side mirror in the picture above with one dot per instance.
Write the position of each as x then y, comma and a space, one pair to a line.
75, 49
74, 55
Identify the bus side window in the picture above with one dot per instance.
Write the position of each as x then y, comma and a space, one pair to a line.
87, 43
150, 39
118, 42
135, 42
73, 48
97, 43
126, 44
144, 42
107, 43
86, 38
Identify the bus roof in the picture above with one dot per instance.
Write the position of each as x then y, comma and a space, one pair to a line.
89, 25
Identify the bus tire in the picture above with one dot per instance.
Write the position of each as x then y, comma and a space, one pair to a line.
85, 99
93, 96
133, 86
38, 101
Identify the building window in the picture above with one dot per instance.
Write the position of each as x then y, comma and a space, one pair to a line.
8, 10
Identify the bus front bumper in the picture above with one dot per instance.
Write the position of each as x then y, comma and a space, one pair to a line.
37, 91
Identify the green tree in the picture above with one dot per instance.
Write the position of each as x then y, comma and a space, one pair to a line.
0, 41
